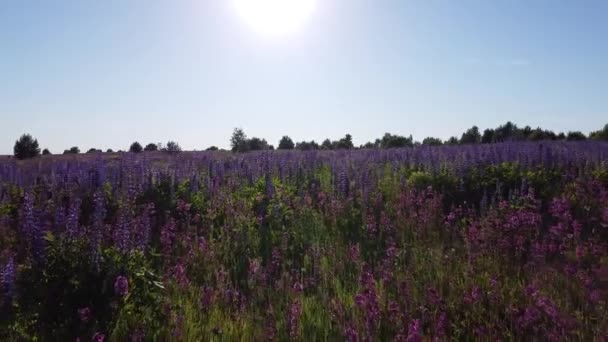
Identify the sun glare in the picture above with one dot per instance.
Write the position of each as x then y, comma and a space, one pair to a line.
275, 17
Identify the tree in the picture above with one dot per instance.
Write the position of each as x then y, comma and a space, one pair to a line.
172, 147
600, 135
136, 147
93, 150
72, 150
151, 147
575, 136
26, 147
109, 150
345, 143
212, 148
257, 144
488, 136
506, 132
396, 141
327, 145
238, 141
370, 144
307, 146
286, 143
432, 141
471, 136
46, 152
452, 141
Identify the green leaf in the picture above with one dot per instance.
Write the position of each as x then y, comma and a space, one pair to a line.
49, 237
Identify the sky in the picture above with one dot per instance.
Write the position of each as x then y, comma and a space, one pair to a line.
103, 74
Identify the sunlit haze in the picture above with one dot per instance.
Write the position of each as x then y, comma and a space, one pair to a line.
275, 17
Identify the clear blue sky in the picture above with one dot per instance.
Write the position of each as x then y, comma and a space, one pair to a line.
105, 73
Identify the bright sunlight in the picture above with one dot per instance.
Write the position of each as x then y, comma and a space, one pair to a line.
275, 17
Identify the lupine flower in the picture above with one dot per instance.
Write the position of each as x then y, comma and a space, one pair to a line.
167, 235
7, 278
207, 297
121, 286
72, 225
442, 325
122, 231
295, 310
138, 335
85, 314
414, 333
98, 337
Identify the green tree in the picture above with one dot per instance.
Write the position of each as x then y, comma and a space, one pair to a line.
172, 147
488, 136
26, 147
432, 141
601, 134
136, 147
307, 146
575, 136
345, 143
327, 145
46, 152
286, 143
471, 136
257, 144
151, 147
238, 141
72, 150
396, 141
452, 141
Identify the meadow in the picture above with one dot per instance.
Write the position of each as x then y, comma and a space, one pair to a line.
505, 241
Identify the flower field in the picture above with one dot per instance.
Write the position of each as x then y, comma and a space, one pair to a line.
501, 241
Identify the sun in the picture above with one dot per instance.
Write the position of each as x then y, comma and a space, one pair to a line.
275, 17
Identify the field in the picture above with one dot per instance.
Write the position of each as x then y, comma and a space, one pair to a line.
501, 241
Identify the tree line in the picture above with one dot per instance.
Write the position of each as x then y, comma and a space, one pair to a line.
27, 146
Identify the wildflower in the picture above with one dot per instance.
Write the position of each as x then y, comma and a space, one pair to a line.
98, 337
295, 311
85, 314
121, 286
413, 331
7, 278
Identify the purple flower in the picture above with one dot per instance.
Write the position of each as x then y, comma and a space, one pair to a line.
413, 331
7, 278
85, 314
122, 231
442, 324
294, 316
121, 286
595, 296
98, 337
